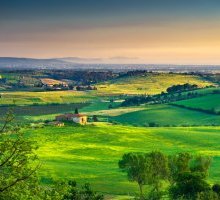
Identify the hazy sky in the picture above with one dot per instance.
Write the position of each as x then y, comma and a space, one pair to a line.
153, 31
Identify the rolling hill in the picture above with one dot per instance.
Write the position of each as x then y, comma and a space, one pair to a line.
167, 115
91, 153
148, 84
209, 102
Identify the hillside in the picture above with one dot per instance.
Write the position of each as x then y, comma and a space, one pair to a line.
209, 102
167, 115
149, 83
91, 153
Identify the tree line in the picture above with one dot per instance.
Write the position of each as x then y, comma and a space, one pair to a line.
173, 93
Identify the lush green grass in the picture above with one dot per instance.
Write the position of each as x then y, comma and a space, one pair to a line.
208, 102
99, 104
164, 115
149, 84
91, 153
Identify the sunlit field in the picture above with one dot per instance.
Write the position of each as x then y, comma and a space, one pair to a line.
91, 153
149, 84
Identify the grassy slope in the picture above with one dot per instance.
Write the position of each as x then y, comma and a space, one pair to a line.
207, 102
150, 84
167, 115
91, 153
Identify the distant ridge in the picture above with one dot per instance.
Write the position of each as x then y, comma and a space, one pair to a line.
77, 63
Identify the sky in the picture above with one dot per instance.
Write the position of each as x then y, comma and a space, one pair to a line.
145, 31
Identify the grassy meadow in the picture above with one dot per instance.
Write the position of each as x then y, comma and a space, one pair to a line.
149, 84
91, 153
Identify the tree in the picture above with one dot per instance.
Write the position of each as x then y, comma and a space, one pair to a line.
188, 186
158, 169
18, 163
18, 168
83, 193
135, 165
216, 188
177, 164
110, 106
208, 195
188, 176
95, 118
76, 111
145, 169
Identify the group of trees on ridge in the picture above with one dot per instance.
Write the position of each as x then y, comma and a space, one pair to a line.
173, 93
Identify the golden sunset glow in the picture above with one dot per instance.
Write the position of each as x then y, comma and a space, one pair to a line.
183, 37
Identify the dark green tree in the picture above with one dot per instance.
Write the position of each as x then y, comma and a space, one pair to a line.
188, 185
208, 195
76, 111
188, 176
18, 163
135, 164
83, 193
145, 169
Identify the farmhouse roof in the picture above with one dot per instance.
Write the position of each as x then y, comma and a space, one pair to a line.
69, 115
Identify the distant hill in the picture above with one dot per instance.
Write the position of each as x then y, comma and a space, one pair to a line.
30, 63
115, 63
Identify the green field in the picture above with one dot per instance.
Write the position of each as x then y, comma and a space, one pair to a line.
91, 153
209, 102
167, 115
149, 84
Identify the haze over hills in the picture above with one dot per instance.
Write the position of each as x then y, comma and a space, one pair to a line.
114, 63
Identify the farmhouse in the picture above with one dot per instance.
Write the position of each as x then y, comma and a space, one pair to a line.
77, 118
